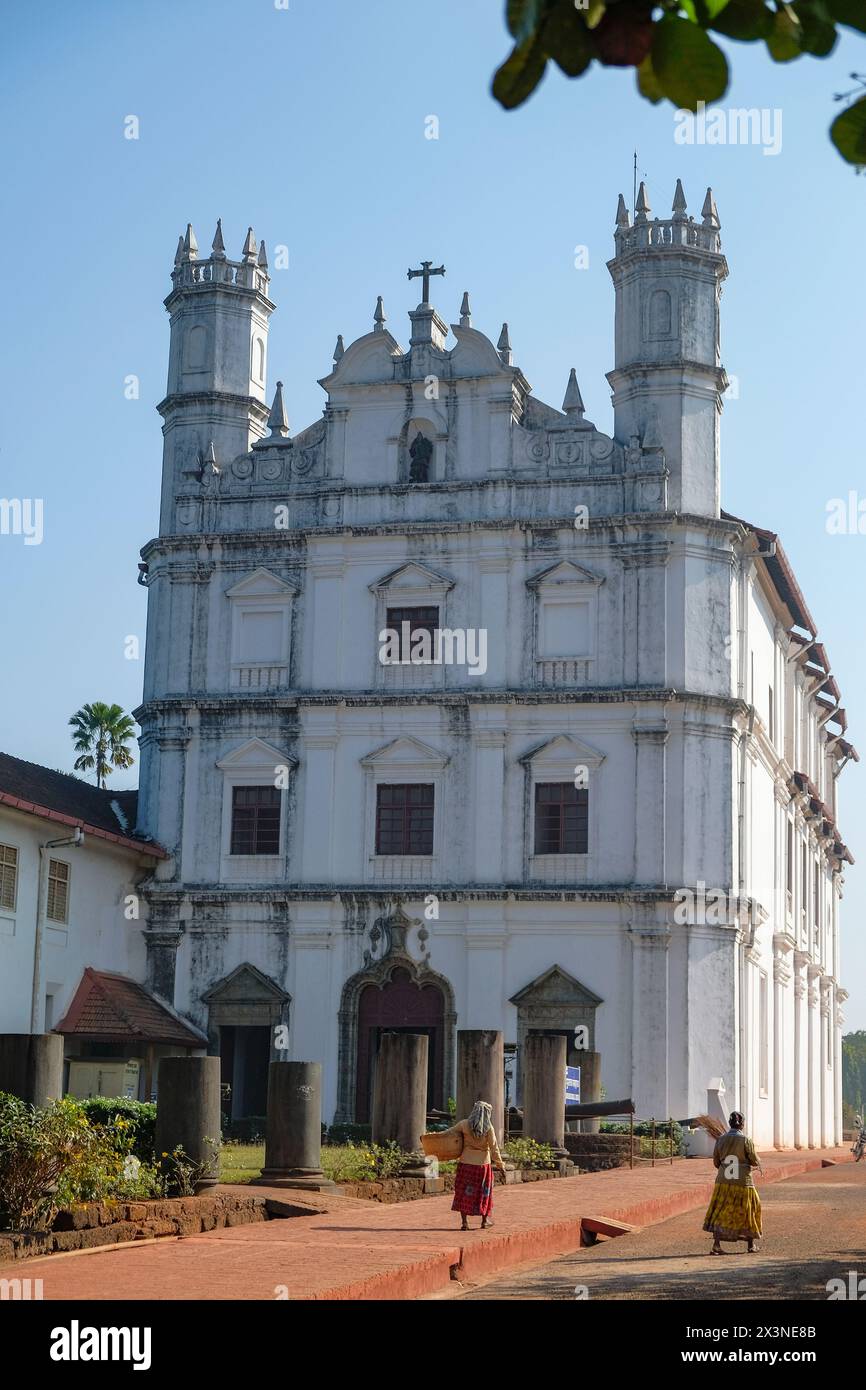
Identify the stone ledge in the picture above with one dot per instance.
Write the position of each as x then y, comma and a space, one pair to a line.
109, 1223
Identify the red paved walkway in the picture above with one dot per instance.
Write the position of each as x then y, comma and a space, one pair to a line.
350, 1249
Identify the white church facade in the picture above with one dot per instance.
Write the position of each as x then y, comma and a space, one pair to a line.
611, 801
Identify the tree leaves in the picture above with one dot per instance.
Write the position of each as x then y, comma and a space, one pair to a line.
521, 73
648, 83
689, 67
668, 44
783, 40
848, 133
624, 34
746, 20
565, 39
851, 12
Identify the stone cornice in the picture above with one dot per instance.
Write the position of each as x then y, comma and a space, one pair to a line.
296, 699
441, 526
201, 895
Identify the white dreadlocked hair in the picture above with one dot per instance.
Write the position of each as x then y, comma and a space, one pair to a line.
481, 1118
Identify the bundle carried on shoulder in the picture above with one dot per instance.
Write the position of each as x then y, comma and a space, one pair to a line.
442, 1144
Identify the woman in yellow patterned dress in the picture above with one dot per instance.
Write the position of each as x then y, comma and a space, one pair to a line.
734, 1212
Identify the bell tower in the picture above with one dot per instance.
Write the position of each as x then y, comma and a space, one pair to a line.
217, 366
668, 379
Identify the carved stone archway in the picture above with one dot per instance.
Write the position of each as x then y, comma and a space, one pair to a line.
390, 931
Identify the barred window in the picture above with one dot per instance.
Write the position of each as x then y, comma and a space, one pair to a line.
561, 818
8, 876
419, 619
255, 820
57, 909
404, 818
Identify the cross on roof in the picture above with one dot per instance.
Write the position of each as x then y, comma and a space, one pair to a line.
425, 272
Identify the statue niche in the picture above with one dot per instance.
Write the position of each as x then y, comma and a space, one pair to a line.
420, 458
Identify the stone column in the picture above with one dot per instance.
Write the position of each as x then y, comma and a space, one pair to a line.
481, 1073
188, 1112
31, 1066
825, 996
590, 1087
544, 1090
799, 995
400, 1090
650, 1018
293, 1137
814, 1022
781, 977
649, 828
490, 841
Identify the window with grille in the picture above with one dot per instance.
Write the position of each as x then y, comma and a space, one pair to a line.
771, 718
789, 865
8, 876
561, 818
419, 620
404, 818
57, 909
804, 885
255, 820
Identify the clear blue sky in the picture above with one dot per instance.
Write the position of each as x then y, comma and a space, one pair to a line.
309, 124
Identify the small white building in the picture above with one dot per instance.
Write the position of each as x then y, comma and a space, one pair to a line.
612, 803
72, 955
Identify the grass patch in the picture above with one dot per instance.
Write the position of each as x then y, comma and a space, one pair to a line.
241, 1162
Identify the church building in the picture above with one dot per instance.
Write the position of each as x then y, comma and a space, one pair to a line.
462, 713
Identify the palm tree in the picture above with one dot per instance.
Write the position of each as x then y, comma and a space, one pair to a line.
101, 735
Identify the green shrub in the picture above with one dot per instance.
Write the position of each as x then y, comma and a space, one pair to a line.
349, 1134
139, 1116
528, 1153
643, 1131
179, 1175
362, 1163
249, 1130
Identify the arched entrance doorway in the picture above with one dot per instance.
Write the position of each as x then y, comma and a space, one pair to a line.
400, 1006
394, 993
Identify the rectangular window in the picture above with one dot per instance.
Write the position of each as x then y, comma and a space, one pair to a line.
404, 818
804, 885
564, 630
763, 1034
771, 718
419, 619
816, 899
255, 820
789, 865
57, 909
561, 818
260, 635
8, 877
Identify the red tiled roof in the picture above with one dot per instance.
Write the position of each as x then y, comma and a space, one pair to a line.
113, 1006
58, 796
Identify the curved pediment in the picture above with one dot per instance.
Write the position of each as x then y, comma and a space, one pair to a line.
475, 354
369, 359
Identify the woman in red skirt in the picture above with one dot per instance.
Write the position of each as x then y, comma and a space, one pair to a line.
473, 1183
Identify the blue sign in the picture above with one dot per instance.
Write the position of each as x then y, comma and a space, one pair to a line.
572, 1085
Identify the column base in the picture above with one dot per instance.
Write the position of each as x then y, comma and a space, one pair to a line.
304, 1178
